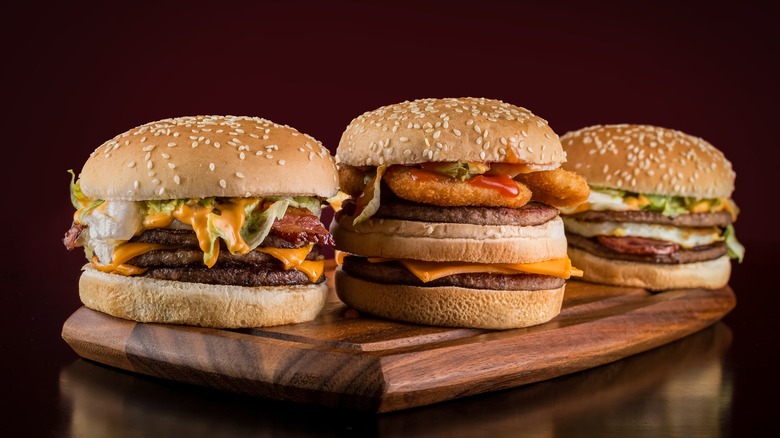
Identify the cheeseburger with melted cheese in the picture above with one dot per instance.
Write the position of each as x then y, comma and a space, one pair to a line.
451, 217
660, 213
208, 221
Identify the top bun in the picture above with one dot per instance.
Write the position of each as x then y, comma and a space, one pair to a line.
648, 159
204, 156
465, 129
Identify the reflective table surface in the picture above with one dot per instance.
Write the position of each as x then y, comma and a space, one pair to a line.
712, 383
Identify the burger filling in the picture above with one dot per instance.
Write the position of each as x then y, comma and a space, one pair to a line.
653, 228
469, 193
241, 241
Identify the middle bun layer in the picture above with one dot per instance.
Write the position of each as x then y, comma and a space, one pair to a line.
392, 238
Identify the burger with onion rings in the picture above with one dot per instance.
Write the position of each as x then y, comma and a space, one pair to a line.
452, 214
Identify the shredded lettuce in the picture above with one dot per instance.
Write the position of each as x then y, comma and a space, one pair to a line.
77, 198
669, 206
165, 206
311, 203
735, 249
258, 224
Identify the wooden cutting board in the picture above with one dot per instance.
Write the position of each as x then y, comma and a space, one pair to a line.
342, 359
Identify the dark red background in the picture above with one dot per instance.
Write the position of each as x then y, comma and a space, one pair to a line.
74, 76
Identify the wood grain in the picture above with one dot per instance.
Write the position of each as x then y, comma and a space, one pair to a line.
346, 360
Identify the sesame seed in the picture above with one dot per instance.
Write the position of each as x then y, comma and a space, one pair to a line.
211, 166
171, 144
239, 174
222, 183
136, 184
437, 134
281, 162
171, 166
155, 182
242, 155
149, 164
131, 164
194, 144
457, 132
404, 139
176, 179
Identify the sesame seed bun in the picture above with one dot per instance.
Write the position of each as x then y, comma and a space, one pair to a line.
709, 274
442, 242
204, 156
208, 305
449, 130
649, 160
451, 306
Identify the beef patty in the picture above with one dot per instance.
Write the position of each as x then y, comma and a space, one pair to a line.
395, 273
240, 276
531, 214
719, 219
185, 262
697, 254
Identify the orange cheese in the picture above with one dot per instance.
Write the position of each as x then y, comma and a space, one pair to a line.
295, 258
158, 220
429, 271
229, 221
123, 253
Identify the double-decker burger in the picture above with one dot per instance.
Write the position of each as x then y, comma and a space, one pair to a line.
452, 218
660, 212
207, 220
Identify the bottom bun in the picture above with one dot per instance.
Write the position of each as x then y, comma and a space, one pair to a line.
450, 306
207, 305
710, 274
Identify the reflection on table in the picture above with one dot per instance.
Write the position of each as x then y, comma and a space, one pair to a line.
676, 389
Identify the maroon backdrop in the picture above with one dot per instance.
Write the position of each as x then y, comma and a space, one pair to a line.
75, 76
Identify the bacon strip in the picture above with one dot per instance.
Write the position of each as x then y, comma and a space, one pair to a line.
638, 245
72, 237
299, 226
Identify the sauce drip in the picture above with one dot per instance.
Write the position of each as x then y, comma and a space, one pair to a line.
503, 183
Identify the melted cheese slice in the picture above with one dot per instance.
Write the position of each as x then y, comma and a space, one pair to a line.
429, 271
295, 258
123, 253
291, 258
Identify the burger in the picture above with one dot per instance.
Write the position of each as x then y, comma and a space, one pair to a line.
660, 213
451, 214
208, 221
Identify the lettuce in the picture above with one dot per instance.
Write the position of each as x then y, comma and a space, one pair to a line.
258, 224
735, 249
77, 198
310, 203
669, 206
367, 203
165, 206
461, 170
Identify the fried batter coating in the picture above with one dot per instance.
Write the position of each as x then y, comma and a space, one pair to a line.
352, 180
449, 192
559, 187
